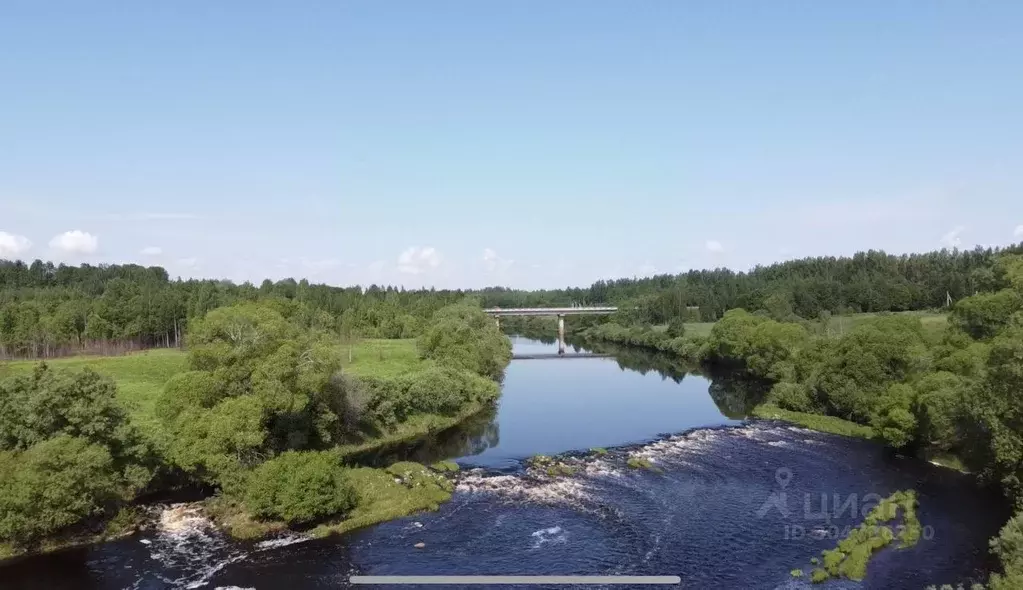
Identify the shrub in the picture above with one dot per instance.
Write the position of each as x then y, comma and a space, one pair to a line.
463, 337
53, 485
676, 328
46, 403
792, 396
300, 488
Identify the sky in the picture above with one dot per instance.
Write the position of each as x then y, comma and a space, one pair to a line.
527, 144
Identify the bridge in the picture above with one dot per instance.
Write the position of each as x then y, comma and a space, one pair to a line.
560, 312
541, 311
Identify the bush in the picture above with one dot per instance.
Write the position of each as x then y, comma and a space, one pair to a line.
261, 383
676, 328
792, 396
463, 337
983, 315
46, 403
300, 488
52, 486
435, 389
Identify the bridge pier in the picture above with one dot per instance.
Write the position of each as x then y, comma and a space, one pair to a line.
561, 334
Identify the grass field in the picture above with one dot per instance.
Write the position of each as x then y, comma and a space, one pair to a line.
380, 358
933, 323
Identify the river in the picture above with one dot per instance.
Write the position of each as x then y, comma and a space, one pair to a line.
732, 503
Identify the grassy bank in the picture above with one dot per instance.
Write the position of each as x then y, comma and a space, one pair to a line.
384, 494
828, 424
411, 430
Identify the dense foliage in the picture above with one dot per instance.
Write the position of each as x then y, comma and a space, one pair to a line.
299, 488
258, 414
870, 281
48, 309
463, 337
67, 453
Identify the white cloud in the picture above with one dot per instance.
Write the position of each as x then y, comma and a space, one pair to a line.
416, 260
493, 262
951, 238
152, 251
13, 245
1018, 233
187, 262
75, 242
714, 246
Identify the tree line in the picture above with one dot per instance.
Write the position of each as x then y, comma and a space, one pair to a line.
50, 310
872, 281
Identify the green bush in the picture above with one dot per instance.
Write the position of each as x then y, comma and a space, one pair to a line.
49, 402
434, 389
792, 396
463, 337
676, 328
300, 488
983, 315
52, 486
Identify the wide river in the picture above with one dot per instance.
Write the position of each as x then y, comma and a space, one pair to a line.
732, 503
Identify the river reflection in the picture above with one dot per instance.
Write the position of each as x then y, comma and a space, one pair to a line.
556, 405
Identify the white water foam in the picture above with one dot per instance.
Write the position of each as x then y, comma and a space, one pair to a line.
678, 446
552, 491
553, 535
187, 544
281, 542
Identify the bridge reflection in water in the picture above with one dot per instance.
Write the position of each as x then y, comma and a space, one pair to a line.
561, 312
561, 355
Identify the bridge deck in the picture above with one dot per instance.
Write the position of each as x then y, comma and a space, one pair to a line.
539, 311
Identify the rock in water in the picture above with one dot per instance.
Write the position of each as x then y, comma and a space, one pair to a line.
420, 545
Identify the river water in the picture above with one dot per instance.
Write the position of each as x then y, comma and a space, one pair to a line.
731, 504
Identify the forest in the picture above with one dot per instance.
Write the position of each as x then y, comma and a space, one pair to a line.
51, 310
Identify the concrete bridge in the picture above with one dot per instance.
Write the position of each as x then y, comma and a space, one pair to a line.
560, 312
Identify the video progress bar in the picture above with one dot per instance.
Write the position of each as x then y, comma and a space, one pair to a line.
515, 580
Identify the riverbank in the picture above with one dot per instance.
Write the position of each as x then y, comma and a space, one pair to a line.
270, 413
398, 490
124, 524
828, 424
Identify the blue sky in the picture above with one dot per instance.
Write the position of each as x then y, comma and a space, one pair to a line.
529, 144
